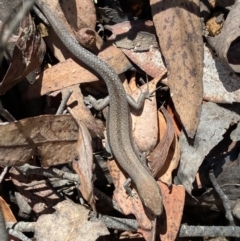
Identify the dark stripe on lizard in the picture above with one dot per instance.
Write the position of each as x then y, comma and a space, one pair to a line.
118, 125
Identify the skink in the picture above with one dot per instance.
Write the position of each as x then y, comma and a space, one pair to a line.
118, 124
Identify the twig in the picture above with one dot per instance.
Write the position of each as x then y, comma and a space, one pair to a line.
64, 101
116, 223
223, 197
18, 235
49, 173
4, 113
21, 226
102, 196
54, 172
4, 172
206, 231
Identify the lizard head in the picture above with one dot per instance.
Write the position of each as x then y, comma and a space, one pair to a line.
151, 197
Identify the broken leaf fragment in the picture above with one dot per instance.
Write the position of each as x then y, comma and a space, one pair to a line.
54, 137
69, 222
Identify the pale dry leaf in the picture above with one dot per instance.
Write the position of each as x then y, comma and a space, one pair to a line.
149, 61
235, 134
69, 222
54, 136
214, 122
84, 164
145, 138
220, 83
179, 32
69, 72
170, 221
171, 163
128, 204
158, 156
80, 110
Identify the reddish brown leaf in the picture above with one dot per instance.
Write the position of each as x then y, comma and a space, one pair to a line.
171, 163
158, 156
173, 201
179, 32
27, 55
67, 73
84, 165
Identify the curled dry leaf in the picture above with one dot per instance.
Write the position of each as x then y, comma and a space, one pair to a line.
28, 55
129, 205
59, 76
84, 164
69, 222
173, 201
145, 138
55, 138
158, 156
214, 122
179, 32
149, 61
227, 43
171, 163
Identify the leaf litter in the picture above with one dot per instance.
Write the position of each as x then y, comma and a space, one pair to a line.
179, 127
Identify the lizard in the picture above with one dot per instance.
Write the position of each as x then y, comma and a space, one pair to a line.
118, 122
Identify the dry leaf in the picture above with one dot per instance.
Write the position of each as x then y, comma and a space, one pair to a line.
80, 14
7, 212
158, 156
69, 222
220, 83
54, 136
145, 138
67, 73
76, 103
179, 32
173, 201
84, 164
171, 163
214, 122
227, 43
149, 61
129, 205
28, 55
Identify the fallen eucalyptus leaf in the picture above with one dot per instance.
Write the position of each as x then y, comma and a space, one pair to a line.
55, 138
214, 122
69, 222
179, 32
